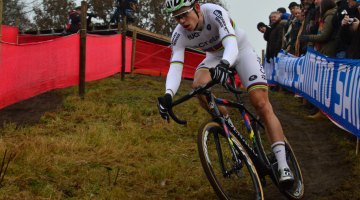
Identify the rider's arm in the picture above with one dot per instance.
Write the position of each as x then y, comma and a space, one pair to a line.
227, 33
173, 78
230, 49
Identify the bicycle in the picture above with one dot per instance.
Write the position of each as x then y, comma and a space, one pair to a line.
236, 168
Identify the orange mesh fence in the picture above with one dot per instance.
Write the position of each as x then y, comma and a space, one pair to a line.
153, 59
42, 63
9, 34
28, 70
36, 38
103, 56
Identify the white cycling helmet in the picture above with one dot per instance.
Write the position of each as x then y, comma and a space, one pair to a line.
174, 5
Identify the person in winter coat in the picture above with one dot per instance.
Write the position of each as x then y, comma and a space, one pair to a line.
324, 41
276, 35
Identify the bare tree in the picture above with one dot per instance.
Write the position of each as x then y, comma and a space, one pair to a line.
15, 14
151, 14
102, 8
52, 13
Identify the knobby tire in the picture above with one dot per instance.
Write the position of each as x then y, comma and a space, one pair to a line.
244, 183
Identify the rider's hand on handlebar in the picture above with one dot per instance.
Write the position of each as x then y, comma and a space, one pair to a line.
221, 72
164, 103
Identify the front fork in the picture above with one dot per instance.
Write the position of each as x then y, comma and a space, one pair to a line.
214, 111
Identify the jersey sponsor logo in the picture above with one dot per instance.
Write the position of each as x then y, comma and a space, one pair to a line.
262, 71
214, 38
217, 13
252, 78
220, 22
193, 35
208, 27
203, 44
175, 38
226, 29
219, 18
209, 42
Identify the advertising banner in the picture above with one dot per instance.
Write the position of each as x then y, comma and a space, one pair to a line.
332, 85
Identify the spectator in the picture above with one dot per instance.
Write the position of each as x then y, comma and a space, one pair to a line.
276, 35
261, 27
74, 21
292, 34
309, 25
292, 7
289, 41
300, 47
324, 40
353, 30
342, 45
265, 29
284, 14
129, 8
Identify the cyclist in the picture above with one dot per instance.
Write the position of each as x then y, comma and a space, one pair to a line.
210, 28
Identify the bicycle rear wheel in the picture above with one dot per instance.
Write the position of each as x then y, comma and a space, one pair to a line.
231, 180
296, 191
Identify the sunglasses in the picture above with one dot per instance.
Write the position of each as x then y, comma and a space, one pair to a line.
183, 14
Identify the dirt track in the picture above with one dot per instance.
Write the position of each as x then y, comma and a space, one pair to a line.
323, 165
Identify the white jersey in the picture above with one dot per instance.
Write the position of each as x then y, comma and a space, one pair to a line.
219, 38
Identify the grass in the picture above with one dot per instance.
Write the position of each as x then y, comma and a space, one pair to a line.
110, 145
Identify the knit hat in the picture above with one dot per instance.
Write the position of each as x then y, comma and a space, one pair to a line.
293, 4
260, 24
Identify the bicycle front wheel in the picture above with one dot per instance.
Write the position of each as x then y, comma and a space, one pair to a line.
230, 179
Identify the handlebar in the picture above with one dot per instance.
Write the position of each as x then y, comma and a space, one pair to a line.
187, 97
229, 86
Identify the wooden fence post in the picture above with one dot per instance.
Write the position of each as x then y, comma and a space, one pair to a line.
123, 47
1, 13
82, 50
133, 50
17, 24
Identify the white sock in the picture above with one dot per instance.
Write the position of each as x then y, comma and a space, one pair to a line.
279, 151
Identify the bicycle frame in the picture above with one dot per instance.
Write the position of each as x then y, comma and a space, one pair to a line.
213, 103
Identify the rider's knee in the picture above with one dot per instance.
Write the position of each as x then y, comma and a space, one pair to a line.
262, 107
198, 83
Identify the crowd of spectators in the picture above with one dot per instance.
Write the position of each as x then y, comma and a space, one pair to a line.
330, 27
